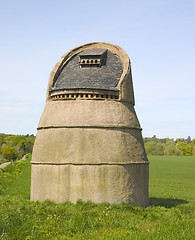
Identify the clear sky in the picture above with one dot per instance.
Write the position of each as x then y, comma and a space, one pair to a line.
158, 36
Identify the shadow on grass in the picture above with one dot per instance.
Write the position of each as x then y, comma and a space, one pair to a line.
166, 202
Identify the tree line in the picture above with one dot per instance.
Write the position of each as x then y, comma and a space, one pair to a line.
14, 147
167, 146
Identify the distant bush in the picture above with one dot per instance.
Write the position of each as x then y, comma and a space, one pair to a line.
14, 147
172, 150
185, 148
153, 148
167, 146
8, 152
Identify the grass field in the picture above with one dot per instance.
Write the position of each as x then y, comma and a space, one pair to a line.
169, 216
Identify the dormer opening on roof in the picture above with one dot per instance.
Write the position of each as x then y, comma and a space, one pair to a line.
93, 58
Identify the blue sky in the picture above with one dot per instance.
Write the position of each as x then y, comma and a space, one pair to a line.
158, 36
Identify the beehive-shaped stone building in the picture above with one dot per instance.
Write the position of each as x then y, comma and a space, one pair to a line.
89, 144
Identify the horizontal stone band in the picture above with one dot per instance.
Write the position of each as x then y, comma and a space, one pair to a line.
108, 127
94, 164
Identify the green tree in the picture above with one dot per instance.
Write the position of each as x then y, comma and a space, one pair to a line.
171, 149
188, 140
29, 144
22, 144
193, 144
8, 152
153, 148
180, 140
185, 148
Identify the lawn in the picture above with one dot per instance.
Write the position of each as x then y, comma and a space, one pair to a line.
170, 214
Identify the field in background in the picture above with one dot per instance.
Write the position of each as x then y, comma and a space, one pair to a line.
172, 177
169, 216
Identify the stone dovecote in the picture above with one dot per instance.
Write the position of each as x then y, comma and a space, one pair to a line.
89, 144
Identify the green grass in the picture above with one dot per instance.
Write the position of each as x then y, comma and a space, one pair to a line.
169, 216
172, 177
10, 173
21, 186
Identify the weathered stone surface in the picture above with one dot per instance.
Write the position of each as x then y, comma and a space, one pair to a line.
89, 144
97, 183
89, 113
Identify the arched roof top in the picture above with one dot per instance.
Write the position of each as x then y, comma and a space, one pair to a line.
97, 65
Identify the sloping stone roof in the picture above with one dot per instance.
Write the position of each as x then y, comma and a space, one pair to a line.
105, 77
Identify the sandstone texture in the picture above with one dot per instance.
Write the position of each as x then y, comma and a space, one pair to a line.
89, 144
